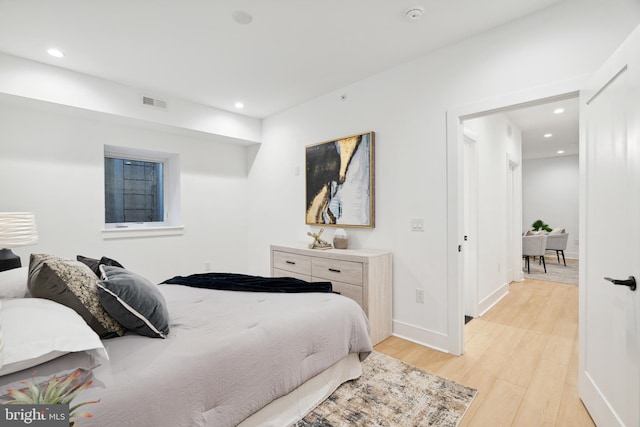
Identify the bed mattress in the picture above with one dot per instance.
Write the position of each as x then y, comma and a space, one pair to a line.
227, 356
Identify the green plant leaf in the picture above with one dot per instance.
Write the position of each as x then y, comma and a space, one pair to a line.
54, 391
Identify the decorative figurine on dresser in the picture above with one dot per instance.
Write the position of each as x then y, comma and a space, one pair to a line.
363, 275
318, 243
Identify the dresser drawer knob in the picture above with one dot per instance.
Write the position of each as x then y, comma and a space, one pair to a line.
334, 270
291, 262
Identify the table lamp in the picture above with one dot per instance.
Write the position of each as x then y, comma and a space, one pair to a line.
16, 229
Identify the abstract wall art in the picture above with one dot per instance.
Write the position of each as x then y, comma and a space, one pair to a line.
340, 182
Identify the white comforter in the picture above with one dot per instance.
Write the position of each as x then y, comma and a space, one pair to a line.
228, 354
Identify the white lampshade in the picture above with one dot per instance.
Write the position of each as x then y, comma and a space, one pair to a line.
17, 229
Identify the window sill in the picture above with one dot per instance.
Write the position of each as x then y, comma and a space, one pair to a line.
135, 232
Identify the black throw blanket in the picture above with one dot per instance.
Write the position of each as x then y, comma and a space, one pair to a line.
246, 283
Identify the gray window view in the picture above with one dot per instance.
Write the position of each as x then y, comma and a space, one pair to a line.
134, 191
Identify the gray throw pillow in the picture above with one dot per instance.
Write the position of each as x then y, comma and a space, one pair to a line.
94, 264
134, 301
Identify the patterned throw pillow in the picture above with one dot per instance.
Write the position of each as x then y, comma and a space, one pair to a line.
73, 284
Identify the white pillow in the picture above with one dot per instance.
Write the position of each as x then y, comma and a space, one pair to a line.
36, 330
60, 367
13, 283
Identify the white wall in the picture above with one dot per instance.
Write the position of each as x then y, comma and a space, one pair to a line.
550, 193
51, 161
406, 107
33, 80
494, 144
52, 164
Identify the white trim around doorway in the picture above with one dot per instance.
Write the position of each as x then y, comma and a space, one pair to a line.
455, 182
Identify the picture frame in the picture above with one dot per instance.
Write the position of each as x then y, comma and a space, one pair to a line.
339, 182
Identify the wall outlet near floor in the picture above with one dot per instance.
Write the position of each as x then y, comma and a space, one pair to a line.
207, 267
420, 296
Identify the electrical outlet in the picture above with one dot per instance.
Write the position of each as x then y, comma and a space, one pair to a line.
420, 296
417, 224
296, 170
207, 266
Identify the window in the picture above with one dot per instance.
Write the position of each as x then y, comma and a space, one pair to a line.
141, 192
133, 190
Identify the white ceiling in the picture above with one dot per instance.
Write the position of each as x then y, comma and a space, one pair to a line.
538, 120
292, 51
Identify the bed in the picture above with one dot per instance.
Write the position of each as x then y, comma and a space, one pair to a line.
229, 358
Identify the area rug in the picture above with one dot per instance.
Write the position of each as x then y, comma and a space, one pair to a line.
556, 272
391, 393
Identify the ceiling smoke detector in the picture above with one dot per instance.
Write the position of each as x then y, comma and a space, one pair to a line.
413, 14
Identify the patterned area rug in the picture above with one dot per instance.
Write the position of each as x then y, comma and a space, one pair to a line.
555, 272
391, 393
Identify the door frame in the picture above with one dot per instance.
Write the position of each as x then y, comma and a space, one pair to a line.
514, 220
455, 186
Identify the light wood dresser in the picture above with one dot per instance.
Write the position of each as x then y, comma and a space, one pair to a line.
362, 275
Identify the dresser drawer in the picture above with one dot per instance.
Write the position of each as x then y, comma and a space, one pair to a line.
292, 262
350, 291
283, 273
335, 269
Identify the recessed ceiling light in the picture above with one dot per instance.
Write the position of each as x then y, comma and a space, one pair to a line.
560, 151
239, 105
55, 52
242, 17
558, 111
548, 135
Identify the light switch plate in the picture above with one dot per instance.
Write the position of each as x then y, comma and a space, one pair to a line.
417, 224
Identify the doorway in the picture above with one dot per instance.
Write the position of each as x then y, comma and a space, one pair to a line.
456, 179
524, 160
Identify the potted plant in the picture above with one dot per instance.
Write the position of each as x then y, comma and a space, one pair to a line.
540, 225
55, 391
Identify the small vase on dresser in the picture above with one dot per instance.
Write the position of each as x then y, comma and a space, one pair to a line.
340, 239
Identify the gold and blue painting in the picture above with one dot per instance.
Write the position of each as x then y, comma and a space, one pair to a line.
340, 182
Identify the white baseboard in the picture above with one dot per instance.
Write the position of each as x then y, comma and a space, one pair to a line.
438, 340
487, 303
435, 340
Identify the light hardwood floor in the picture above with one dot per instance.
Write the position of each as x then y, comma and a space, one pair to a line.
522, 357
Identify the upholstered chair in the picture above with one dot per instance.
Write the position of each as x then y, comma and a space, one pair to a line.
558, 242
533, 246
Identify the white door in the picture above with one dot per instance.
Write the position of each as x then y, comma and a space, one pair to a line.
470, 251
609, 368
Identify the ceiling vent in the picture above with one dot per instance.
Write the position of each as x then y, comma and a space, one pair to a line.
154, 102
